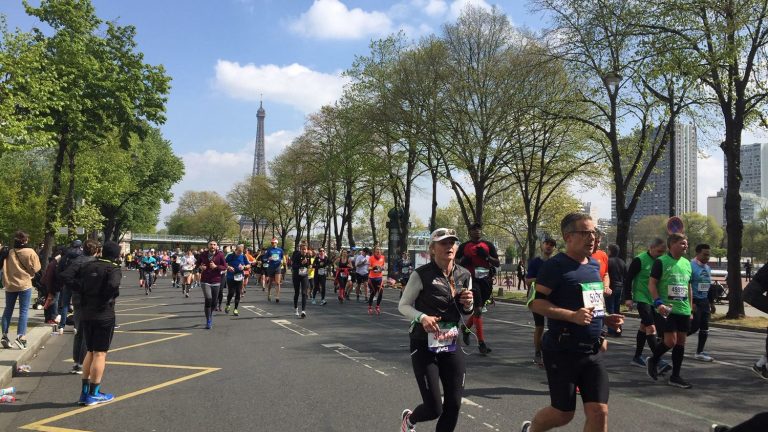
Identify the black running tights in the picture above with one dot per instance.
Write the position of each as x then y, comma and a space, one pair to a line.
300, 285
233, 290
430, 370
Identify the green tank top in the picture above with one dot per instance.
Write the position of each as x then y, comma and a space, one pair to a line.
675, 284
640, 291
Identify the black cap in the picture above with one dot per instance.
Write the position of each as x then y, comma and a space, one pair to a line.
77, 243
476, 225
550, 240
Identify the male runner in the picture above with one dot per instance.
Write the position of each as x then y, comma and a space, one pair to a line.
276, 260
547, 247
480, 258
755, 295
670, 287
703, 302
361, 272
569, 292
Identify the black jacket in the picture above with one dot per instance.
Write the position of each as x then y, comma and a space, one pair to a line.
99, 287
435, 296
70, 276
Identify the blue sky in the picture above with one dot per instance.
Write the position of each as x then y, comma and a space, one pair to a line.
224, 55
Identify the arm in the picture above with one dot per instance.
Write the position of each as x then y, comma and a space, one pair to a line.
653, 282
67, 276
114, 278
493, 255
410, 293
542, 306
634, 269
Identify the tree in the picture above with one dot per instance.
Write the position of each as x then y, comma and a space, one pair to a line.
701, 229
205, 214
756, 237
645, 230
102, 89
253, 199
726, 41
26, 181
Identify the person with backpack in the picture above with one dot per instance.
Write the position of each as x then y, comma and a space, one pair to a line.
52, 286
71, 278
98, 288
65, 297
19, 265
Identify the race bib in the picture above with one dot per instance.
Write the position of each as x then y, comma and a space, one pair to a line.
406, 270
303, 271
482, 272
704, 287
274, 257
321, 272
266, 265
238, 277
444, 340
677, 292
592, 293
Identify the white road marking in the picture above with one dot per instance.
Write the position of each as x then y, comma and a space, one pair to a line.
258, 311
299, 330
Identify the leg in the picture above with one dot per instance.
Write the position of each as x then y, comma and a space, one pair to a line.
208, 295
304, 292
10, 305
560, 367
452, 372
597, 417
296, 289
321, 282
230, 292
427, 375
25, 299
238, 292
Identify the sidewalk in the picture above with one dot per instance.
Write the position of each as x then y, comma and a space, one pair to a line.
37, 335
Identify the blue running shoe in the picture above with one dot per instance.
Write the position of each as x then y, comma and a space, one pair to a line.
208, 324
99, 398
83, 398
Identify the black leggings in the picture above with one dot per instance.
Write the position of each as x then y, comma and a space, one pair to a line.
233, 289
211, 293
375, 285
430, 370
300, 284
319, 286
755, 424
754, 295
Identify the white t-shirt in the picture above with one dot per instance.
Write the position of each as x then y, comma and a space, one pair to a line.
187, 262
361, 265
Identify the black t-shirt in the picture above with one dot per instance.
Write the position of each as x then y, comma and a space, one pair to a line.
761, 277
564, 276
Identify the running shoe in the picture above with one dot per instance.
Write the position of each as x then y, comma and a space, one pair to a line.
762, 372
638, 361
235, 313
650, 367
370, 310
718, 428
538, 358
663, 367
702, 356
83, 398
208, 324
378, 310
303, 314
21, 343
61, 331
314, 301
98, 398
76, 370
465, 335
146, 291
6, 342
676, 381
186, 294
526, 426
277, 300
323, 302
483, 348
297, 312
226, 309
405, 425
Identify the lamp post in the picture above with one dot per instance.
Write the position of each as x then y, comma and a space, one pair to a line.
612, 80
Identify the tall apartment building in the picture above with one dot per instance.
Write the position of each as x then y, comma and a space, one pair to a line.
655, 197
754, 184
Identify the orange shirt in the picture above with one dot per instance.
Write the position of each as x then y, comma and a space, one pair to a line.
602, 258
374, 262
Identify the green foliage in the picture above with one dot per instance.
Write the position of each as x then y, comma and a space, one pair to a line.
26, 183
756, 237
701, 229
205, 214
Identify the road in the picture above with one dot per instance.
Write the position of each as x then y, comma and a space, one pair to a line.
342, 370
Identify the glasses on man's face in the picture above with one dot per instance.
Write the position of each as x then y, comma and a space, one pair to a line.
585, 233
444, 232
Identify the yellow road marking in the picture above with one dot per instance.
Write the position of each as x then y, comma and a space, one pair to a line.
148, 343
42, 425
147, 320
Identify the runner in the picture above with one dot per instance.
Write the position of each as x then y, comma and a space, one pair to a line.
237, 265
175, 272
637, 296
263, 258
617, 269
250, 270
670, 287
343, 269
534, 265
211, 264
703, 302
403, 269
755, 295
480, 258
377, 263
187, 263
311, 274
435, 299
300, 263
276, 260
361, 272
322, 266
149, 267
569, 292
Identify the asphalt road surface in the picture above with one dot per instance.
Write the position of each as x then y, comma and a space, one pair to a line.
343, 370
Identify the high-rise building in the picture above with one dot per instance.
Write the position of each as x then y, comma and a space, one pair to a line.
754, 174
259, 158
716, 207
655, 197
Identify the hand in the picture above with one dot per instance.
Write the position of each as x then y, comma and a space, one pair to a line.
482, 253
629, 304
614, 321
430, 323
230, 269
582, 316
607, 291
664, 310
240, 267
211, 265
466, 298
604, 346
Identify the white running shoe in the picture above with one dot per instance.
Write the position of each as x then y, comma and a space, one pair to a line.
405, 425
303, 314
297, 312
702, 356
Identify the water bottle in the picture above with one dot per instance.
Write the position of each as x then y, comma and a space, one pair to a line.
7, 399
7, 391
24, 369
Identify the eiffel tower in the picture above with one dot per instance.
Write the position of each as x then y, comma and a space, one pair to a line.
259, 160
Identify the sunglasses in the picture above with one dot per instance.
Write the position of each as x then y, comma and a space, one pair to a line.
444, 232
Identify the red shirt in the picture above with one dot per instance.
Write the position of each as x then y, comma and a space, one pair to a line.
602, 258
373, 262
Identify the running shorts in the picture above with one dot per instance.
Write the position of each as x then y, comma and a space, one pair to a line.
361, 278
538, 320
677, 323
272, 272
646, 314
567, 370
98, 334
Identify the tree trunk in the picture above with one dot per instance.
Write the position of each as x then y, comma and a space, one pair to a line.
433, 214
672, 165
54, 201
349, 214
69, 204
734, 226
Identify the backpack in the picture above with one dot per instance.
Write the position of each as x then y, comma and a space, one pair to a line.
3, 255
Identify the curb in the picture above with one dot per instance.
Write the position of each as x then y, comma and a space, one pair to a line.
635, 315
37, 337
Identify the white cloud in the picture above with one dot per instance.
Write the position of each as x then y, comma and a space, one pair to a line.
435, 7
294, 85
458, 6
332, 19
214, 170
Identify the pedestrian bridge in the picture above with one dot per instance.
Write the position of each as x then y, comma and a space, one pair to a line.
164, 239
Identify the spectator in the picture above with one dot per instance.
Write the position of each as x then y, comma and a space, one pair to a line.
20, 267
